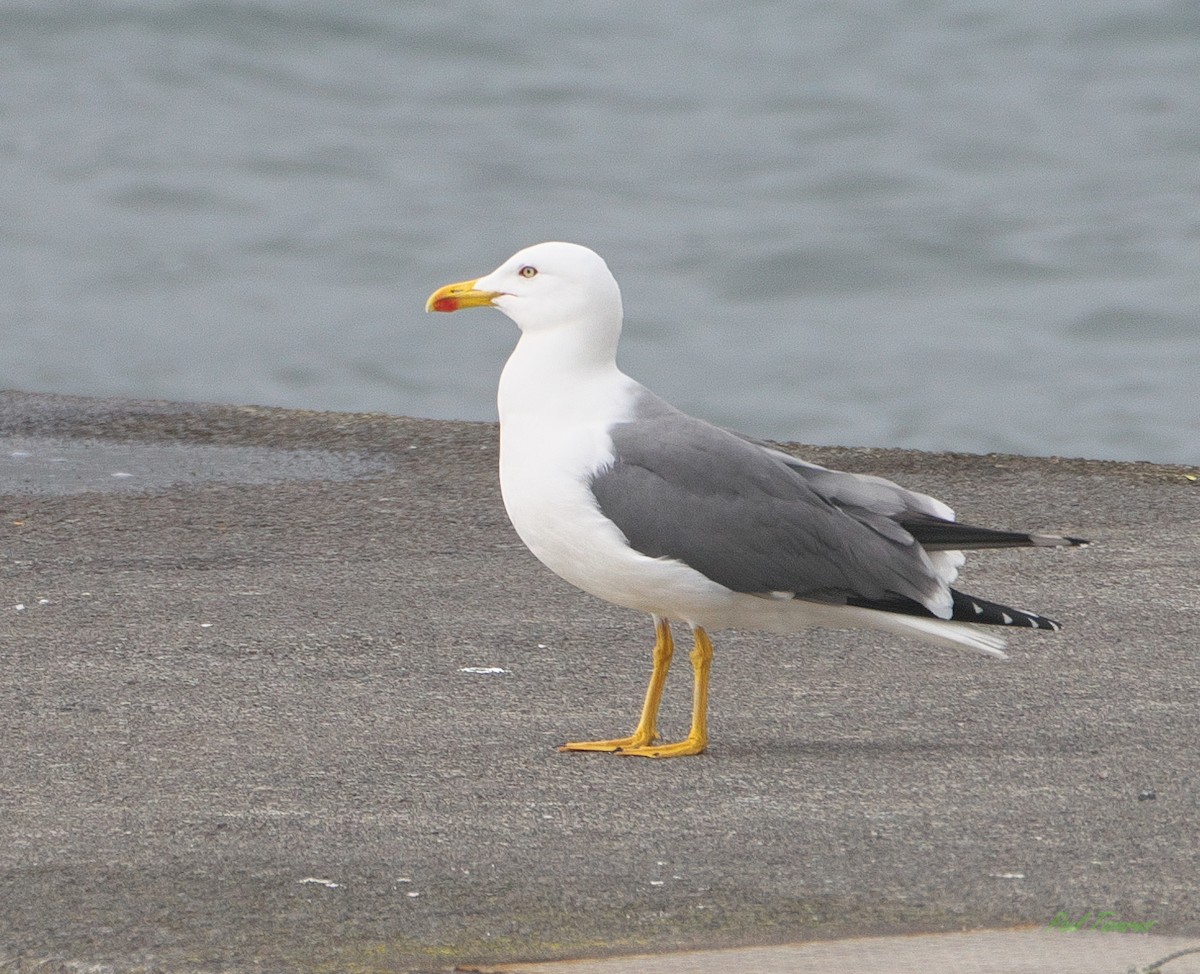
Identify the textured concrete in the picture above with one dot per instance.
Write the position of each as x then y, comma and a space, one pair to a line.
236, 732
1041, 951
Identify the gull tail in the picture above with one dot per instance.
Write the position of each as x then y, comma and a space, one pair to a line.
955, 635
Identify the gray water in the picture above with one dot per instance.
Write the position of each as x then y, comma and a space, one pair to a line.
45, 465
944, 225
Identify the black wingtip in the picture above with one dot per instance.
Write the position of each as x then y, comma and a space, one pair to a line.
966, 608
936, 534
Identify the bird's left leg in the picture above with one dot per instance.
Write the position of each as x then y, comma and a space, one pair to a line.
645, 732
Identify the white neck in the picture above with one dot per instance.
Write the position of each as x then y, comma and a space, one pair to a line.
552, 371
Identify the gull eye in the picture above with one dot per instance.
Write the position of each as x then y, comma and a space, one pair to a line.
528, 271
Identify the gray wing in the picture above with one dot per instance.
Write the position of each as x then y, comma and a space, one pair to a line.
743, 516
927, 519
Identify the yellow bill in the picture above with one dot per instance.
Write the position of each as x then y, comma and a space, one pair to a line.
452, 297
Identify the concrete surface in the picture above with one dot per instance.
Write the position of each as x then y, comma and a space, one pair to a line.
985, 952
239, 731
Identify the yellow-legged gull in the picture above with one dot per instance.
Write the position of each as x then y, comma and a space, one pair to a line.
640, 504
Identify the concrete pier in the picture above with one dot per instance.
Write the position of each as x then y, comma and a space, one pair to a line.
279, 691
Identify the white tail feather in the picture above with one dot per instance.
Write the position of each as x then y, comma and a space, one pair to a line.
956, 635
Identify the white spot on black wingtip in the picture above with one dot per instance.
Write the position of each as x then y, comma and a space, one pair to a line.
1035, 621
1008, 620
978, 608
1057, 541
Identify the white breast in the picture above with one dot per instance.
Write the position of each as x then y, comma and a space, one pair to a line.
553, 438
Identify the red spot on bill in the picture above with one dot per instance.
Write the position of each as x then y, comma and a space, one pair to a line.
447, 303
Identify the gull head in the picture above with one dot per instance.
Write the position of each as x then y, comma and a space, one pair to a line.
543, 288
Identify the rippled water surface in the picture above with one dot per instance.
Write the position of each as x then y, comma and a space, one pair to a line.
946, 225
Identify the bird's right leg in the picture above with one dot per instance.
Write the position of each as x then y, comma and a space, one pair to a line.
645, 733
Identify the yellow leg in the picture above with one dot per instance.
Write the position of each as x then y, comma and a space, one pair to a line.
645, 732
697, 739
